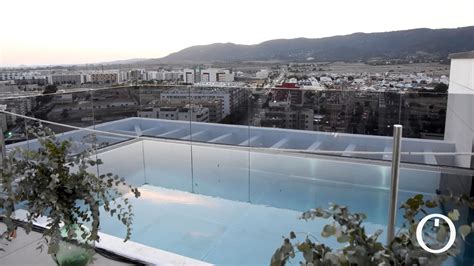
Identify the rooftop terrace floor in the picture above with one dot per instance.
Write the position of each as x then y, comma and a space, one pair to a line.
22, 251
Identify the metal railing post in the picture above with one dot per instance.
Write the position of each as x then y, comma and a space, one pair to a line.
3, 122
2, 146
392, 211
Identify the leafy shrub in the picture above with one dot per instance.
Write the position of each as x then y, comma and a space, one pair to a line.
359, 248
52, 181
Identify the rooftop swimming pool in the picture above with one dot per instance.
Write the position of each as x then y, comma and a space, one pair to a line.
212, 229
224, 205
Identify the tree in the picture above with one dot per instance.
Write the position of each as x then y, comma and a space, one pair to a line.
42, 100
50, 89
65, 113
441, 87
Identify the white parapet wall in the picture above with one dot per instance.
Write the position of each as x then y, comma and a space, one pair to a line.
460, 109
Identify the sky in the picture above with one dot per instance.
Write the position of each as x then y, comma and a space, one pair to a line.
45, 32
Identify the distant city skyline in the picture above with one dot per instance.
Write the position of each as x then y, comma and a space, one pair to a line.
58, 32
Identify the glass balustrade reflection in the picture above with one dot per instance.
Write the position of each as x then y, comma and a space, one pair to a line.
218, 170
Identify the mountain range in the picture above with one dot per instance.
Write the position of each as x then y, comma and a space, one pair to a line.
432, 43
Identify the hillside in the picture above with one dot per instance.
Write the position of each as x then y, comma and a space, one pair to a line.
413, 43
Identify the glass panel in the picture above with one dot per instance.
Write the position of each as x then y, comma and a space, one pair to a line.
70, 108
164, 114
444, 182
442, 123
14, 127
242, 145
299, 183
17, 137
424, 114
114, 110
220, 170
125, 159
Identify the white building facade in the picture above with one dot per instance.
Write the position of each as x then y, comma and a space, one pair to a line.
231, 98
460, 110
189, 112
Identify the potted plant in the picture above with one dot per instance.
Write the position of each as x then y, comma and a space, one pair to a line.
65, 187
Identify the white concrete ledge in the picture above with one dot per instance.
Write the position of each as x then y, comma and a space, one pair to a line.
280, 144
171, 132
196, 134
125, 132
387, 157
349, 148
137, 251
146, 131
221, 138
314, 146
251, 141
138, 130
429, 158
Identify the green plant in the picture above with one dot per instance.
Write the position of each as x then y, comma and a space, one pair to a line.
65, 187
359, 248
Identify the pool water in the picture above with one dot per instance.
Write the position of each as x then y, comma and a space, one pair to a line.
228, 206
212, 229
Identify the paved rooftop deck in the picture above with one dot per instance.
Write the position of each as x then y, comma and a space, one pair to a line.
22, 251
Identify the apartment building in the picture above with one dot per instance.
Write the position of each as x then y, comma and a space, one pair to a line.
216, 75
104, 78
230, 98
162, 75
191, 75
60, 79
189, 112
20, 106
214, 106
207, 75
286, 118
262, 74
